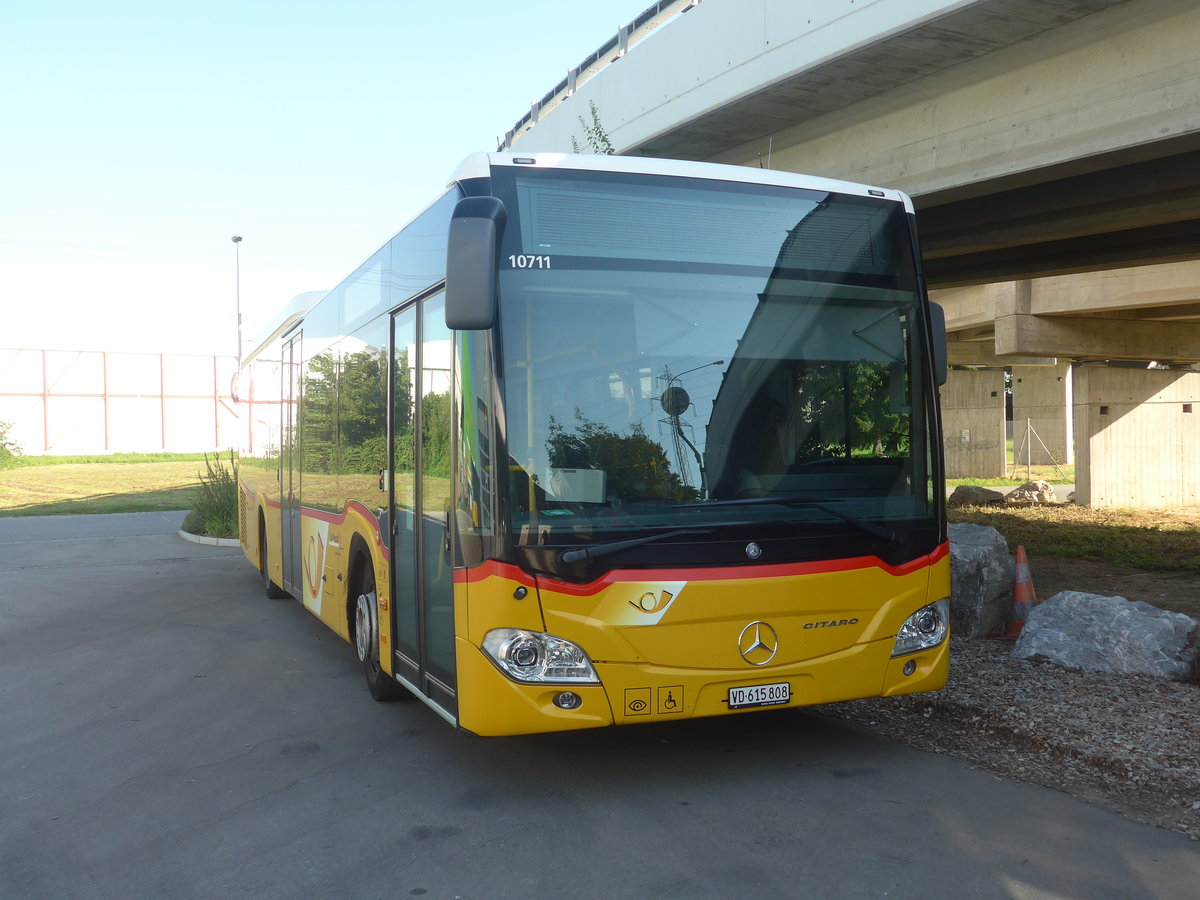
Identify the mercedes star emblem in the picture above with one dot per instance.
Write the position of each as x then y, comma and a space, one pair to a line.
758, 643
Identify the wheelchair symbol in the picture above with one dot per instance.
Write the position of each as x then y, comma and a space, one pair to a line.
670, 699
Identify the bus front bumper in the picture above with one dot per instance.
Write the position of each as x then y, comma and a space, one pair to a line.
630, 693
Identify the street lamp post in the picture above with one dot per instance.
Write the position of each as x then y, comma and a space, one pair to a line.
237, 278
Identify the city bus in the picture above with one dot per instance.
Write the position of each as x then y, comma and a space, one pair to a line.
608, 440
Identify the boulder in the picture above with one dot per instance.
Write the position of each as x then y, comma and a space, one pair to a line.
1111, 634
974, 495
1032, 492
981, 580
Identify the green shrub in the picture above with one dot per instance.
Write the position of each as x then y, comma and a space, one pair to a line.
215, 509
10, 450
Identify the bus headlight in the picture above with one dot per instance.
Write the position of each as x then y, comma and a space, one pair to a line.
531, 656
925, 628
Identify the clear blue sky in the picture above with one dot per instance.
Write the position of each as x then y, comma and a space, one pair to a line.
140, 135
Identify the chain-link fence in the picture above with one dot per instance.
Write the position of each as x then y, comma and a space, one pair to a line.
1039, 442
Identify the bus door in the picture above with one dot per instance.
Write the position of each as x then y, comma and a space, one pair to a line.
290, 465
421, 423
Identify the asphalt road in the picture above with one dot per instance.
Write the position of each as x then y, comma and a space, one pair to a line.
167, 731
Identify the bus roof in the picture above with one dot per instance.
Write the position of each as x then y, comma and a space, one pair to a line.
292, 313
479, 165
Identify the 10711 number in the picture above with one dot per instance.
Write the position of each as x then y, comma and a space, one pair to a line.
522, 261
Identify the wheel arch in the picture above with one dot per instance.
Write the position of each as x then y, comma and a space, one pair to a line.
262, 539
358, 561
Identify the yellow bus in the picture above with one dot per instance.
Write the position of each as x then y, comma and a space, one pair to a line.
607, 440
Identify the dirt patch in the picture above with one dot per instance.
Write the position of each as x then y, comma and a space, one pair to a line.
1176, 591
1124, 742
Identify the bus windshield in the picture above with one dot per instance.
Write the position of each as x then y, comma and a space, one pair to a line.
681, 354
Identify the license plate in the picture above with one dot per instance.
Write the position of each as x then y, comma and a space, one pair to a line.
760, 695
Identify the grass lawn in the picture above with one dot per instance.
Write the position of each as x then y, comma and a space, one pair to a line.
1159, 540
1154, 539
50, 486
1020, 475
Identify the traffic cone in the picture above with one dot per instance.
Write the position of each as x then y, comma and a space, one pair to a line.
1024, 598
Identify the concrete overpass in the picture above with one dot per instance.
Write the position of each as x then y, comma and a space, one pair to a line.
1052, 148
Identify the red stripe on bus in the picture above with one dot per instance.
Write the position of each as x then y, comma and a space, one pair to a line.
340, 519
491, 568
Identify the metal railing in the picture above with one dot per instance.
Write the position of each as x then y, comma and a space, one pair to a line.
609, 52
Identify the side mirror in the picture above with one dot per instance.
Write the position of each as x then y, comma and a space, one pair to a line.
937, 325
474, 243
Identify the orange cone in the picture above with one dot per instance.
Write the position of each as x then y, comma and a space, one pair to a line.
1024, 599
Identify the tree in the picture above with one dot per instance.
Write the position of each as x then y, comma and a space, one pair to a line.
402, 415
877, 429
362, 406
10, 450
594, 134
362, 411
637, 467
436, 425
318, 412
344, 415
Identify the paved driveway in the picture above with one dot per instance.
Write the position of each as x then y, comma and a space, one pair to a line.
166, 731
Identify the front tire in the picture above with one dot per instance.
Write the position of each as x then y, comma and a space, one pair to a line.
383, 687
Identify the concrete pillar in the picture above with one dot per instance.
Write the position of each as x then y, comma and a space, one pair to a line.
1041, 422
1137, 437
973, 423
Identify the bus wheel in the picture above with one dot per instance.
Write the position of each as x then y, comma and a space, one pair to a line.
366, 641
272, 590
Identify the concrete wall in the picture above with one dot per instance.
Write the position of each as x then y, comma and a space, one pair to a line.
1137, 437
973, 423
1041, 423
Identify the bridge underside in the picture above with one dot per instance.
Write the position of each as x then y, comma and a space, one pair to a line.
1119, 214
880, 66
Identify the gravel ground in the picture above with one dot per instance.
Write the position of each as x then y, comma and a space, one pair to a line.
1127, 743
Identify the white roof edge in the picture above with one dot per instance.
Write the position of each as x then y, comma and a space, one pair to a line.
478, 165
285, 320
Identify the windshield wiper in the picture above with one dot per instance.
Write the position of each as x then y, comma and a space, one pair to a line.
595, 551
879, 531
